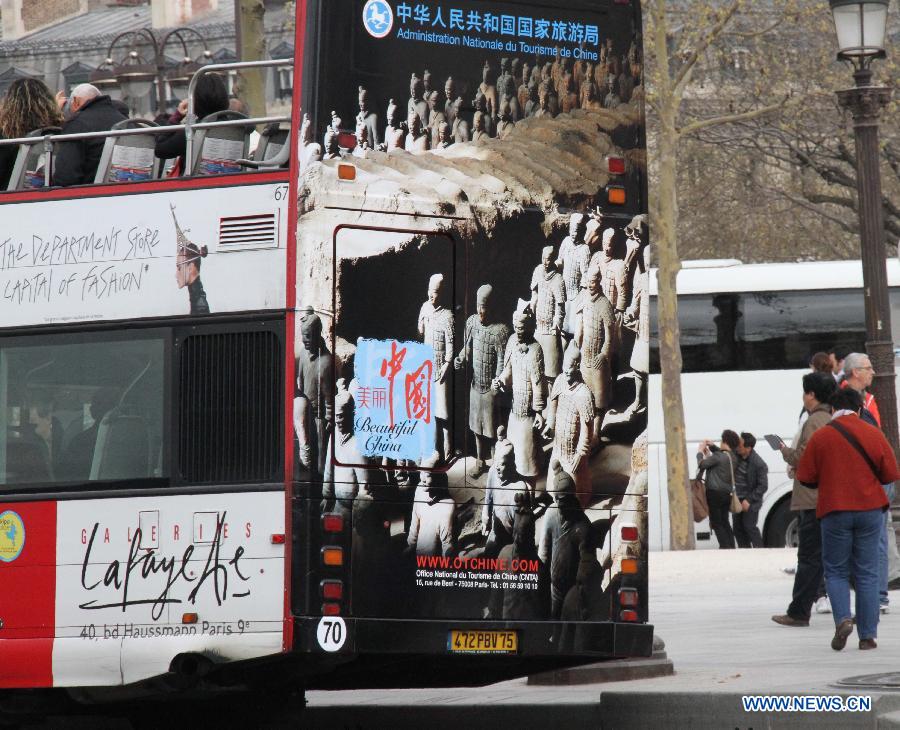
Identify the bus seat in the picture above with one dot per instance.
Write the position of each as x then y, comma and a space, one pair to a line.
273, 150
28, 170
131, 158
122, 450
217, 151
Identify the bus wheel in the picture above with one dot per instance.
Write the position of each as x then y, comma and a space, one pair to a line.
782, 526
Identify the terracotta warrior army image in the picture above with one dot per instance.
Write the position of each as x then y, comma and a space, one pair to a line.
436, 328
484, 345
495, 419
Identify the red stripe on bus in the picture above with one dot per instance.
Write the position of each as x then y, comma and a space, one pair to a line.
28, 594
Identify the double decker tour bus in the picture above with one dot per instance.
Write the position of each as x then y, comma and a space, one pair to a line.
374, 391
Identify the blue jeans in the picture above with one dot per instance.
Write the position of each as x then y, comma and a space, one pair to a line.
850, 540
883, 551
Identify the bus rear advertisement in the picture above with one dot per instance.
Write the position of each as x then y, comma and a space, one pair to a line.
376, 393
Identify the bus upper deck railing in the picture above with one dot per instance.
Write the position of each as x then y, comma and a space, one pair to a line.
189, 125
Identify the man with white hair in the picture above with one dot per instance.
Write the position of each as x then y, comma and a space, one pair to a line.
858, 374
76, 162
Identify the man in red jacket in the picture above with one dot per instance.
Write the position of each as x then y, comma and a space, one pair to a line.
848, 461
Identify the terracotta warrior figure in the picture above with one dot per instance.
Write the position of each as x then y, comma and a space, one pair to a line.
523, 375
574, 255
481, 105
426, 83
362, 140
310, 150
395, 134
346, 475
488, 89
332, 145
544, 109
417, 101
506, 89
460, 130
570, 422
523, 94
450, 109
436, 328
314, 399
568, 98
548, 302
533, 105
499, 510
436, 118
417, 141
484, 346
637, 318
588, 98
479, 132
594, 325
444, 138
506, 124
368, 118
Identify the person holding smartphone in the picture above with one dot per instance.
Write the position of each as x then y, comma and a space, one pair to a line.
719, 463
817, 391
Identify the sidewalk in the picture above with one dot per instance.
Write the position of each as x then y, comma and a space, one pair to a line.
713, 610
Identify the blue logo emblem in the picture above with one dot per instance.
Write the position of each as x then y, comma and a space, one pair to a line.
378, 17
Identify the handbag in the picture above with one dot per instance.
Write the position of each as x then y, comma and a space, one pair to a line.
699, 505
735, 506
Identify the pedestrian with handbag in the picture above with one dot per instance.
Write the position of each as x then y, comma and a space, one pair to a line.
848, 461
718, 462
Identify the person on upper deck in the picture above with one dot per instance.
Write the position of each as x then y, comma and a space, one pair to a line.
76, 162
28, 105
210, 95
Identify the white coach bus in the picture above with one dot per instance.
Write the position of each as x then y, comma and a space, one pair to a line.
747, 334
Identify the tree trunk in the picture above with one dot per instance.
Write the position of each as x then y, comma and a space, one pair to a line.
664, 237
251, 83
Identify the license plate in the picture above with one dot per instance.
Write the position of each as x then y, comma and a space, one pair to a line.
483, 642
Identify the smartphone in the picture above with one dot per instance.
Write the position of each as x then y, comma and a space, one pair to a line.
774, 441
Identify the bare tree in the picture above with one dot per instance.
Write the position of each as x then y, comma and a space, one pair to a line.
673, 63
251, 85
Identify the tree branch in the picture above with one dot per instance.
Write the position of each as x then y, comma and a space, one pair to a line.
694, 127
705, 41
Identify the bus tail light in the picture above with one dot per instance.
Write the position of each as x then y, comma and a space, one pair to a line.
616, 165
333, 523
277, 539
332, 590
628, 615
346, 172
629, 533
189, 618
629, 566
333, 556
615, 196
333, 609
628, 598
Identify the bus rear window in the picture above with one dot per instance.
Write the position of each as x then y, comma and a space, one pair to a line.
85, 410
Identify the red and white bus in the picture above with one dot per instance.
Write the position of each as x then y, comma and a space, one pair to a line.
286, 413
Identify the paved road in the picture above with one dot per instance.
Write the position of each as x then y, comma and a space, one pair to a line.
712, 608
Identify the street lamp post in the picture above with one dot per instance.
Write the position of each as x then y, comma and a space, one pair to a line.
135, 76
860, 26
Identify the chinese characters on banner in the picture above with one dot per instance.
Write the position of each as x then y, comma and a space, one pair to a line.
394, 391
516, 26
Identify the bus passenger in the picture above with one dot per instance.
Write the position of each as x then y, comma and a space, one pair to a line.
76, 162
719, 463
28, 105
76, 462
210, 96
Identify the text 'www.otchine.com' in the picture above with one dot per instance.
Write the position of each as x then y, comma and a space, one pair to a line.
806, 703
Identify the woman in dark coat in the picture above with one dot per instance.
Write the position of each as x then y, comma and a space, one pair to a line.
719, 464
210, 96
28, 105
